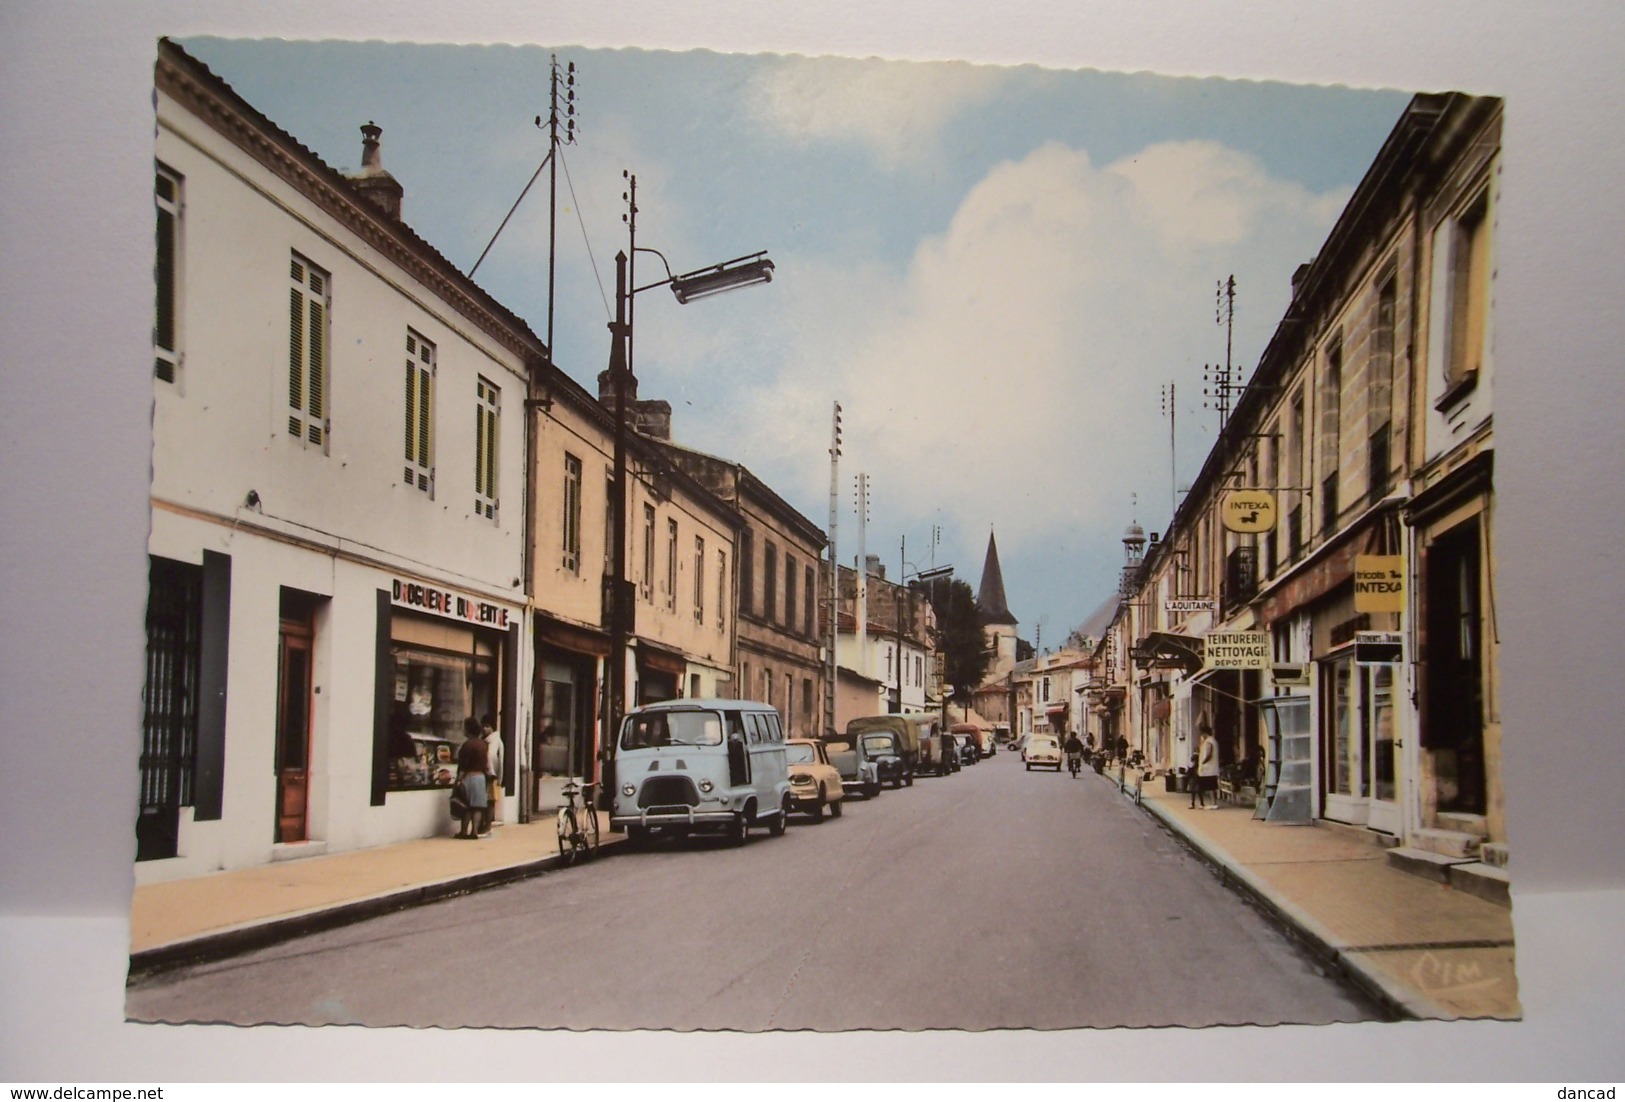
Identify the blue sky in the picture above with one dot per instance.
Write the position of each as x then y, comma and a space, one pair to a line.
996, 271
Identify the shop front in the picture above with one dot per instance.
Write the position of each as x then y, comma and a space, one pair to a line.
1458, 748
1358, 721
569, 664
660, 673
444, 657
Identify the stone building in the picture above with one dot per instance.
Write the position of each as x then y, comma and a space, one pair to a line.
1342, 519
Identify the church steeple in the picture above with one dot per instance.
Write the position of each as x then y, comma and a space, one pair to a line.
990, 598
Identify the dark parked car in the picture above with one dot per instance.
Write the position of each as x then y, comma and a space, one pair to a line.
885, 750
969, 752
859, 772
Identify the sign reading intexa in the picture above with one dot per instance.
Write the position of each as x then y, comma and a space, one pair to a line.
1247, 510
443, 602
1379, 583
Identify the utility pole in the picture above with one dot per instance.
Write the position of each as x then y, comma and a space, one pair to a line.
863, 574
1173, 464
833, 601
1221, 380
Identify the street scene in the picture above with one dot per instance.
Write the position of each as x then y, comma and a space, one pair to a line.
1056, 591
990, 898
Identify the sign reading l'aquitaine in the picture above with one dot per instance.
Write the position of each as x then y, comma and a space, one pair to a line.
1236, 650
1247, 511
1379, 583
1190, 604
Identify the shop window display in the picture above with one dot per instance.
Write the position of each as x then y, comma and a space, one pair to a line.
433, 694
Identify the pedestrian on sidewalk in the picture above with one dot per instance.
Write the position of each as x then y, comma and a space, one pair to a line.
493, 742
1207, 767
473, 765
1193, 782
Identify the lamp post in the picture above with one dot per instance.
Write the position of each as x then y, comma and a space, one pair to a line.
700, 283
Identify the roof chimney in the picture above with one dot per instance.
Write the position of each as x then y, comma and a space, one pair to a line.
375, 184
1298, 276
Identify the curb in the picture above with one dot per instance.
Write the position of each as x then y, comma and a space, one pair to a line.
245, 937
1394, 998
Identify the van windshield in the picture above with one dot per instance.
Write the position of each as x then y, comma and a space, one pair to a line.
877, 744
644, 732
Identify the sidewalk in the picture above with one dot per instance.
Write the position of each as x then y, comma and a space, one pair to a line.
1421, 948
209, 917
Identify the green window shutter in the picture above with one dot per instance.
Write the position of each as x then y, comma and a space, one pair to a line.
296, 361
316, 429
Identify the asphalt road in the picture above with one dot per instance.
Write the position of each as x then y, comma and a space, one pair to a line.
993, 898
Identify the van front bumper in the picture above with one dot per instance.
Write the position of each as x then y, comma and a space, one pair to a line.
672, 816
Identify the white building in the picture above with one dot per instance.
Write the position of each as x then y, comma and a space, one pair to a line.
338, 529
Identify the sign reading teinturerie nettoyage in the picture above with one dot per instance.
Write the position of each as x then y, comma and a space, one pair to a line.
1248, 511
1379, 583
1236, 650
444, 602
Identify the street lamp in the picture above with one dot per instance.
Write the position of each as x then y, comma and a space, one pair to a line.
730, 275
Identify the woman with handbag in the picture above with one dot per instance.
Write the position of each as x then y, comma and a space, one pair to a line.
473, 763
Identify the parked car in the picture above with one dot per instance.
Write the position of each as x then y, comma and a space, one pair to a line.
815, 784
695, 764
969, 752
885, 750
978, 737
859, 772
1042, 750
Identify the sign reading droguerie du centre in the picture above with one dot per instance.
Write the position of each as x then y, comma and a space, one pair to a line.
1236, 650
432, 599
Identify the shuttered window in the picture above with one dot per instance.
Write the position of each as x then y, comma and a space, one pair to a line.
487, 445
419, 413
166, 274
699, 579
572, 514
308, 306
671, 564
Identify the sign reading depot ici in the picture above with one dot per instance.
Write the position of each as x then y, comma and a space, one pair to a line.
1247, 511
1236, 650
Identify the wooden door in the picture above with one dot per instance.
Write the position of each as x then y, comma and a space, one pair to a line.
293, 732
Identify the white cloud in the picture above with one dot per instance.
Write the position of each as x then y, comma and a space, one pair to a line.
1012, 375
896, 109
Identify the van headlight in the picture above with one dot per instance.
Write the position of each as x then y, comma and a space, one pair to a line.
706, 785
629, 790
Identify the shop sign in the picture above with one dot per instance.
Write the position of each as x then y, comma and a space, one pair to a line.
1190, 604
1379, 648
1379, 583
1247, 510
444, 602
1237, 650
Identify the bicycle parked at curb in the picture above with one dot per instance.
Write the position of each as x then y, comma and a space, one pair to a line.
578, 824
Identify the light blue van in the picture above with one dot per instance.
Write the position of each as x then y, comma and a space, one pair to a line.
683, 766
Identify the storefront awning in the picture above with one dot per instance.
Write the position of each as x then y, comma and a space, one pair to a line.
664, 661
1161, 648
555, 633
